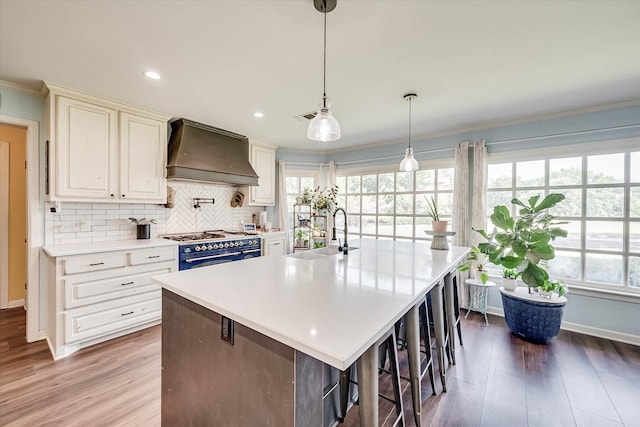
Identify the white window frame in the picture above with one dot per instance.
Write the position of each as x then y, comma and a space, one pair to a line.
299, 173
583, 150
447, 163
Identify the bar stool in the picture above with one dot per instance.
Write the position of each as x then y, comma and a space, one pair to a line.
414, 335
452, 313
441, 331
368, 368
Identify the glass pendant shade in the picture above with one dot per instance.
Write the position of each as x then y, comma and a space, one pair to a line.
324, 127
409, 164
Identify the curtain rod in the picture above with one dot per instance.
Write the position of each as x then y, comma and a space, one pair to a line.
506, 141
305, 164
510, 141
435, 150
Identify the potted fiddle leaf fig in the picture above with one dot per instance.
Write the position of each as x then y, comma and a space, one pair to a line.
524, 243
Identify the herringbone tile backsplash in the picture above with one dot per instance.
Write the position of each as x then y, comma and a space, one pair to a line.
97, 222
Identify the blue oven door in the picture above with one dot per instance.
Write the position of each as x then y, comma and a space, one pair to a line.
190, 261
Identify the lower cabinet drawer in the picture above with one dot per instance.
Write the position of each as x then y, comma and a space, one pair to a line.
78, 291
83, 324
149, 256
97, 262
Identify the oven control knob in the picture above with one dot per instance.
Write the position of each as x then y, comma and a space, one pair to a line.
233, 244
210, 247
241, 244
197, 248
226, 244
215, 246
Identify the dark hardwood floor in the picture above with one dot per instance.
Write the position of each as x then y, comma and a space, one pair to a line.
498, 380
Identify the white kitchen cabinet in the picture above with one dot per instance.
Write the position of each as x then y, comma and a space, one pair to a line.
100, 296
104, 151
143, 158
274, 243
263, 160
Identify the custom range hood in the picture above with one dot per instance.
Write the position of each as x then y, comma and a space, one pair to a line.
203, 153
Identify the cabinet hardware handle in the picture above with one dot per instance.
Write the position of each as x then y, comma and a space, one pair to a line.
276, 243
112, 195
126, 314
128, 283
123, 195
154, 256
96, 263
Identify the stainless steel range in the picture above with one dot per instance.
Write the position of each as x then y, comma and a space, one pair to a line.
214, 247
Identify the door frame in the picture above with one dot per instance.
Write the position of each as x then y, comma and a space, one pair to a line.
35, 221
4, 224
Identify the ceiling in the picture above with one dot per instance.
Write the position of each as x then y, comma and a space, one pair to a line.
472, 63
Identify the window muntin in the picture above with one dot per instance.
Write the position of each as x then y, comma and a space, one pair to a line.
602, 208
393, 205
296, 183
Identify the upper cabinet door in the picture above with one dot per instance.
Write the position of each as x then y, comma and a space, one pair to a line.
103, 151
143, 157
263, 160
86, 151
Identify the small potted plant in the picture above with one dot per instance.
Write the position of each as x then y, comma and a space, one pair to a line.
302, 238
475, 262
510, 279
550, 286
437, 225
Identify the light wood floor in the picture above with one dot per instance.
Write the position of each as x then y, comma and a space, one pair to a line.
498, 380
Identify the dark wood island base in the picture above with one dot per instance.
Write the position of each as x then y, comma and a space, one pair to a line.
255, 381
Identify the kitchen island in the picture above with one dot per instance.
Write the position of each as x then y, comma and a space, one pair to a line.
254, 342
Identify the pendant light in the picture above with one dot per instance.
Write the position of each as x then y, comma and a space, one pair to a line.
324, 127
409, 163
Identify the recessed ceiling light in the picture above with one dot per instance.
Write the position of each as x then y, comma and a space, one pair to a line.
152, 75
258, 114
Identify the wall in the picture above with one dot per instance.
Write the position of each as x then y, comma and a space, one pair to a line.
17, 250
599, 315
30, 106
98, 222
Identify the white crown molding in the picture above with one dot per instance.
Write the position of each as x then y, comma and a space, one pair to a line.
19, 88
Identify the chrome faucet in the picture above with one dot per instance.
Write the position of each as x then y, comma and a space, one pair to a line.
345, 247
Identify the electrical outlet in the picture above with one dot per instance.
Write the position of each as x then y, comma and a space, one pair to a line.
227, 330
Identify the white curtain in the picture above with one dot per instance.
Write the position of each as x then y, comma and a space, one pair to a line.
283, 214
461, 212
478, 219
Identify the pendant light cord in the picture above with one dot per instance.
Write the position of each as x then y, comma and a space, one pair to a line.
324, 66
410, 122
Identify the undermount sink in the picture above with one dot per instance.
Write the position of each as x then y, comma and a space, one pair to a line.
306, 255
330, 250
318, 253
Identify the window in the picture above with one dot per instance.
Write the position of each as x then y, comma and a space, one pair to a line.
602, 208
393, 205
297, 182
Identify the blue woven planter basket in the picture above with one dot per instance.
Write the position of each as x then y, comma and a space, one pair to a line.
532, 321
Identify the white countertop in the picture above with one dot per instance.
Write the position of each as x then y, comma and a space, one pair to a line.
330, 307
118, 245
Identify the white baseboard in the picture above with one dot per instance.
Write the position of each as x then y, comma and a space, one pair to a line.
42, 335
16, 303
587, 330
